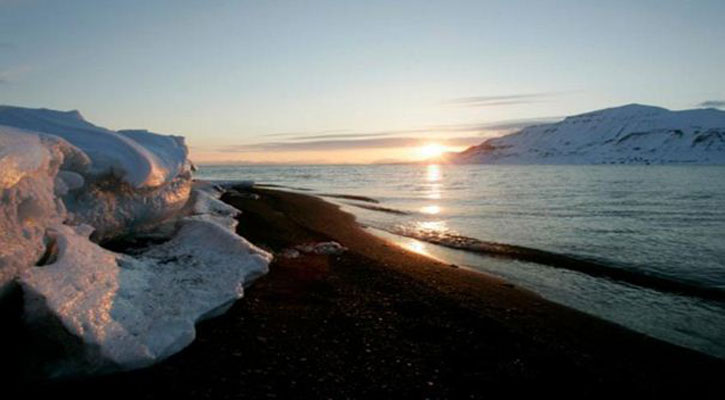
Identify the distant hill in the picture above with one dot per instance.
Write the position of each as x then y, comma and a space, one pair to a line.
631, 134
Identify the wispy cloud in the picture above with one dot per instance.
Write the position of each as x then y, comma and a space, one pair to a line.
486, 128
343, 136
479, 128
288, 134
319, 145
713, 103
10, 74
460, 135
501, 100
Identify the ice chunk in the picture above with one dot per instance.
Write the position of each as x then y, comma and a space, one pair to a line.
140, 158
71, 180
129, 310
171, 151
205, 205
116, 208
138, 310
28, 202
135, 311
133, 180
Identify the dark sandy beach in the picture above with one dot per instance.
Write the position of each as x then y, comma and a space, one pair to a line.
380, 322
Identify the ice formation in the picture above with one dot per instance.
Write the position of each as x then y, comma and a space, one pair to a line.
30, 203
631, 134
139, 309
66, 185
140, 158
133, 179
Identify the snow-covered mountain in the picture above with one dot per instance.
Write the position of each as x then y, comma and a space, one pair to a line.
630, 134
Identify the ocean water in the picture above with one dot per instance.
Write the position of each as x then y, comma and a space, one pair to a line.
655, 223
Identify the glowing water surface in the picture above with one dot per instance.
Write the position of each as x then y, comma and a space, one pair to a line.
667, 221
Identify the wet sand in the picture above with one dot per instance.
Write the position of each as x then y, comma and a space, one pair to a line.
379, 321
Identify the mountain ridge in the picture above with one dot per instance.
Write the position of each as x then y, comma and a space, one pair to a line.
628, 134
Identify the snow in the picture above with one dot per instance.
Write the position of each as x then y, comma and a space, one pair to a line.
137, 310
28, 206
631, 134
205, 204
170, 151
67, 185
140, 158
132, 179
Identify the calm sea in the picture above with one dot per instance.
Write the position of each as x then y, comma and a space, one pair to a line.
660, 222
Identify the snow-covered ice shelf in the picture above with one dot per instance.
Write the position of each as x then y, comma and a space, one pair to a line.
68, 184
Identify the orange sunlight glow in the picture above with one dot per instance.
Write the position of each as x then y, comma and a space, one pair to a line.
431, 150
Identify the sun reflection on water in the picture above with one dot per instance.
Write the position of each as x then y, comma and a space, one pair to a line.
433, 177
433, 173
433, 209
415, 246
432, 226
420, 232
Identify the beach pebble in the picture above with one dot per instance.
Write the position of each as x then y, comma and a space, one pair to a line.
289, 253
306, 248
329, 248
323, 248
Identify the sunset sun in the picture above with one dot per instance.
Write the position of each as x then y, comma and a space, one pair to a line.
431, 150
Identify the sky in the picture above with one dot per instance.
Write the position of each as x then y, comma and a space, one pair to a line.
354, 81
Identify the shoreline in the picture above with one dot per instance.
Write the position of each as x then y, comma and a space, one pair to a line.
579, 264
378, 320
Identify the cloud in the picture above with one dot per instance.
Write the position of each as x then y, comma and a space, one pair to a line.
282, 134
462, 135
500, 100
318, 145
10, 74
497, 126
343, 136
344, 139
713, 103
480, 128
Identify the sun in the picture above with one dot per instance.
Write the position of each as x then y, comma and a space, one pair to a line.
431, 150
